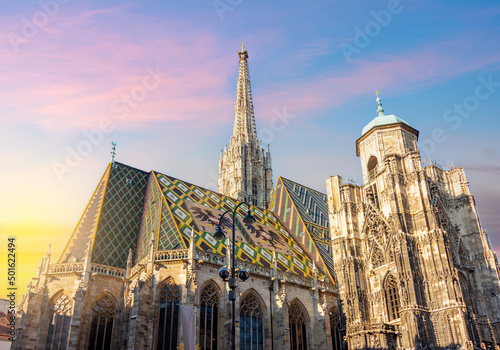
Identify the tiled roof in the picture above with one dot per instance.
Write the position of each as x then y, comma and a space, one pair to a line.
304, 212
311, 204
193, 206
120, 216
131, 207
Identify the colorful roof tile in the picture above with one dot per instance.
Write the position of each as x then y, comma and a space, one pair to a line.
130, 208
304, 212
199, 208
120, 218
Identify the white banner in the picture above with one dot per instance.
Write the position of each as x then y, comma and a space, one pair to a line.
187, 321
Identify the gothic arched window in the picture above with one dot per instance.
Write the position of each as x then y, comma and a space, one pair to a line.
60, 320
251, 337
372, 167
101, 329
298, 333
254, 191
209, 301
335, 329
392, 297
168, 325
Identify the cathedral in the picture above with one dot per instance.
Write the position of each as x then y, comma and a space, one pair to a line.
397, 262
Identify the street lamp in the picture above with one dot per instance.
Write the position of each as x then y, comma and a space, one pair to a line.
224, 273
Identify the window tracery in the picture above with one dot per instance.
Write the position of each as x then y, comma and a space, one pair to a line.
101, 329
251, 335
298, 331
209, 315
335, 329
168, 324
59, 326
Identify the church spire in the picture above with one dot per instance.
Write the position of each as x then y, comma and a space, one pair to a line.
245, 171
244, 119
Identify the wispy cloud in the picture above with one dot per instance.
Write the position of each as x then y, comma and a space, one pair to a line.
60, 82
398, 72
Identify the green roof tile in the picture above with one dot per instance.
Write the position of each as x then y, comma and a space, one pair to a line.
382, 120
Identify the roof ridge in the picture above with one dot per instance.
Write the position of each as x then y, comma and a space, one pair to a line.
309, 188
131, 167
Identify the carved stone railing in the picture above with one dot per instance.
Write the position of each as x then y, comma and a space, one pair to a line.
168, 255
65, 268
210, 257
327, 286
221, 260
78, 267
291, 278
254, 268
107, 270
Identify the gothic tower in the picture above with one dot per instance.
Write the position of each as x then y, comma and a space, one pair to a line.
413, 264
244, 168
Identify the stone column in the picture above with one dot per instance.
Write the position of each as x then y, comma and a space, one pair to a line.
78, 304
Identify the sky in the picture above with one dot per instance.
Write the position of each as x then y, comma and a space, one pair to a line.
159, 79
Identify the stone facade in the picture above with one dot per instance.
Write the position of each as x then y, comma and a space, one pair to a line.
397, 262
245, 171
414, 267
135, 293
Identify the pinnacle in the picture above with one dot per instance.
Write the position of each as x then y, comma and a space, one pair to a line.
244, 119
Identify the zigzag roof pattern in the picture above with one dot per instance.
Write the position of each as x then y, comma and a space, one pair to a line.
304, 212
130, 209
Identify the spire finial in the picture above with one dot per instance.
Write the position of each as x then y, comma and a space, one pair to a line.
113, 153
243, 53
380, 110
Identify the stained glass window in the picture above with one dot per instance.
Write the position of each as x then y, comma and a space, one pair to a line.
298, 333
251, 337
209, 301
101, 329
168, 324
335, 329
60, 320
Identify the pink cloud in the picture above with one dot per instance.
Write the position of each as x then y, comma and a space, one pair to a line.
59, 84
69, 76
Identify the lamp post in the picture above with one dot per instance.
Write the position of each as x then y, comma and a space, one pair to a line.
224, 274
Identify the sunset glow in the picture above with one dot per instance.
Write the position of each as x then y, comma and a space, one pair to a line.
158, 78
